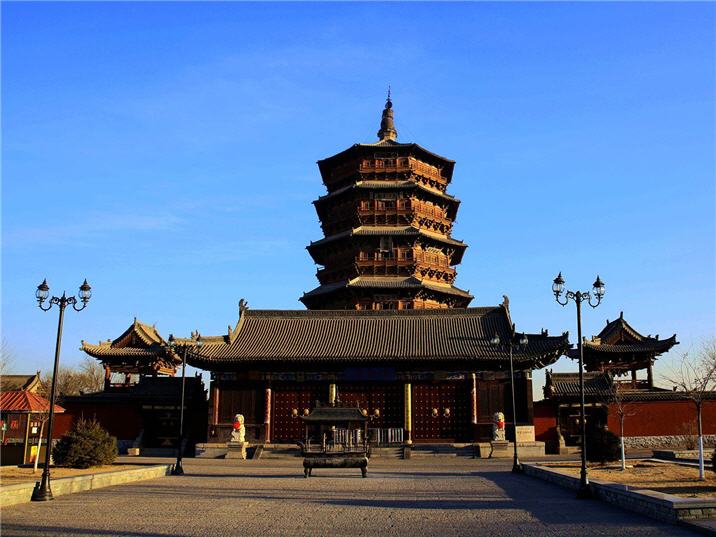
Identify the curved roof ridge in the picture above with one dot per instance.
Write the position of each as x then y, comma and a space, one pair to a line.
441, 312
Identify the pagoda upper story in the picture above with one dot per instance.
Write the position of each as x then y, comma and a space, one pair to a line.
387, 220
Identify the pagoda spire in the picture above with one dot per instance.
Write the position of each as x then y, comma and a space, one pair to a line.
387, 127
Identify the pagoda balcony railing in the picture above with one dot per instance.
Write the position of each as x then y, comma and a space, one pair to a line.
384, 263
402, 165
412, 212
429, 261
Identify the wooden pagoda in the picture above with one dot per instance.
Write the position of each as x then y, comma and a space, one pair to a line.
387, 220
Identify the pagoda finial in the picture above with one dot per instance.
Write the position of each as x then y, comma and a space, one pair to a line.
387, 127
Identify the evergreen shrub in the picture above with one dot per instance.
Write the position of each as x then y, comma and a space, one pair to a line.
87, 444
602, 446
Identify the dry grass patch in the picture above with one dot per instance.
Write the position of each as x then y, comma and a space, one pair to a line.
668, 478
11, 475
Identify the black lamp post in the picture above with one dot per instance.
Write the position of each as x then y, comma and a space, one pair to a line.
578, 297
178, 468
43, 490
510, 345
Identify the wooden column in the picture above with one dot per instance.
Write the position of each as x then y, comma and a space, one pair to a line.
473, 405
267, 416
650, 375
107, 376
26, 443
633, 378
214, 403
408, 414
332, 394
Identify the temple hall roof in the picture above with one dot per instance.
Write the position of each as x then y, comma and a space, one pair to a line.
324, 336
564, 387
30, 383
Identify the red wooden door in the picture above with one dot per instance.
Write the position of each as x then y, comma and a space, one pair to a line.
441, 412
386, 397
287, 427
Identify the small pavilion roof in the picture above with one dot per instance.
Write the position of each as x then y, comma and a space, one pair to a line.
620, 347
139, 349
24, 402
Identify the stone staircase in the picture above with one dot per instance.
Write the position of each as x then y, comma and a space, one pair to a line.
389, 452
280, 451
442, 450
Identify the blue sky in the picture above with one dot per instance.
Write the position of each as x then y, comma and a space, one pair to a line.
167, 153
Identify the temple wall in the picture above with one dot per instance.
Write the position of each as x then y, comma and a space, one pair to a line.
648, 424
663, 418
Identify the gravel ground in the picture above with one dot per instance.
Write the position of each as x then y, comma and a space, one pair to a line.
435, 496
670, 478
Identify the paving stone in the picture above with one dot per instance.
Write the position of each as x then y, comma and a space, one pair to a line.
449, 497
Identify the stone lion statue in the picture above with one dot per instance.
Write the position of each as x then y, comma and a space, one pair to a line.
238, 434
498, 427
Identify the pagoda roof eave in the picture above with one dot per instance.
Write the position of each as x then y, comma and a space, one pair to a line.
449, 164
389, 282
387, 185
367, 231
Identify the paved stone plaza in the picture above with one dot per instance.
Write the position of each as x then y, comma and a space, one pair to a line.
436, 496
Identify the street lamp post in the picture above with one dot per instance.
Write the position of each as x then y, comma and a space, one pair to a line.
510, 345
43, 490
178, 468
578, 297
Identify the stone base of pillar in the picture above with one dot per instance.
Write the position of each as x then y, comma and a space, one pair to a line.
237, 450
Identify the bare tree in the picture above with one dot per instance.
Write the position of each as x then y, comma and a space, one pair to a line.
695, 377
92, 375
622, 408
86, 378
7, 358
43, 418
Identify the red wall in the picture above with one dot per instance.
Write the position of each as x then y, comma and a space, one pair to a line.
545, 422
121, 420
663, 418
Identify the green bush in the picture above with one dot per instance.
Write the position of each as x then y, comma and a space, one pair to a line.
87, 444
602, 446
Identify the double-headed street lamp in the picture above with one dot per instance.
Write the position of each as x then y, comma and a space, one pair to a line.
43, 491
178, 468
510, 345
578, 297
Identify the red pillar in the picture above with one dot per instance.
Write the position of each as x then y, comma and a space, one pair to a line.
267, 416
214, 403
473, 405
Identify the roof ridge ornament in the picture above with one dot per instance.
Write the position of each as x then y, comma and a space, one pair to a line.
387, 126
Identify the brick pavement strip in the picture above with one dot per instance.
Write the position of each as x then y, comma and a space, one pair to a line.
21, 492
445, 497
